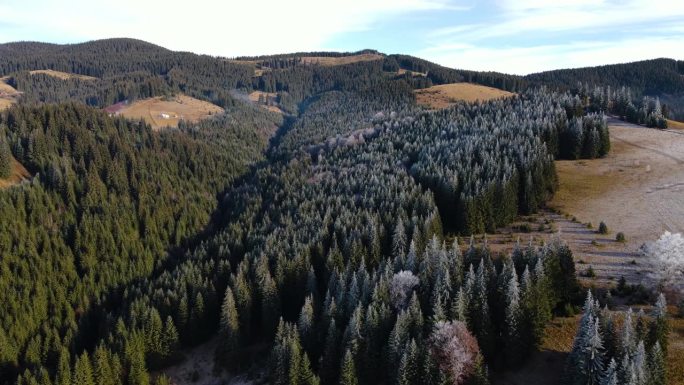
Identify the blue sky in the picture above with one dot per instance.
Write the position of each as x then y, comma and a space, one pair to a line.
514, 36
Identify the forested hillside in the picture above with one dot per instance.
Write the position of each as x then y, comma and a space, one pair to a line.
327, 253
110, 201
124, 68
663, 78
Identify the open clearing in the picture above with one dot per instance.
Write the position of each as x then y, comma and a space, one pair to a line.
160, 112
261, 97
637, 189
402, 71
608, 258
673, 124
5, 103
62, 75
445, 95
336, 61
8, 94
6, 89
19, 174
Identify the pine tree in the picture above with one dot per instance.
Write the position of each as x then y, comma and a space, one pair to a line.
63, 368
169, 336
627, 337
513, 332
460, 308
83, 371
348, 370
399, 241
270, 305
305, 323
330, 360
230, 327
5, 156
135, 355
153, 333
592, 359
656, 366
659, 328
611, 375
409, 366
104, 374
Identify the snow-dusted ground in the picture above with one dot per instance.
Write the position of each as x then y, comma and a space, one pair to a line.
641, 194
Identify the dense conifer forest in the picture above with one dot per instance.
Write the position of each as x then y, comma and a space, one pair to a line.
663, 78
339, 250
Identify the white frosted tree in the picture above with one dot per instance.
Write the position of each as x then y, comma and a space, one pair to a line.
639, 362
667, 256
401, 287
593, 355
611, 375
513, 332
455, 350
628, 338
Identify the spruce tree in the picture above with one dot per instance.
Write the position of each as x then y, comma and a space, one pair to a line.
170, 336
656, 366
399, 241
628, 337
230, 328
104, 374
63, 368
5, 156
83, 371
348, 374
305, 323
659, 328
409, 366
513, 330
611, 375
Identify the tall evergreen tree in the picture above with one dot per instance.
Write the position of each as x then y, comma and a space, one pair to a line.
5, 156
656, 366
348, 374
230, 328
659, 328
83, 371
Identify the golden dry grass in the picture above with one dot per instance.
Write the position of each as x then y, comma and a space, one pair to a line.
254, 97
675, 353
675, 124
402, 71
445, 95
582, 179
335, 61
180, 107
6, 88
62, 75
8, 94
5, 103
636, 189
19, 173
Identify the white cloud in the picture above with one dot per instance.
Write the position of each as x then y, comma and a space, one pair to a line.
534, 35
222, 28
530, 16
